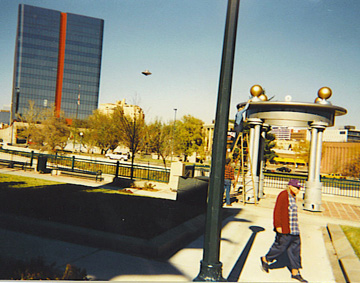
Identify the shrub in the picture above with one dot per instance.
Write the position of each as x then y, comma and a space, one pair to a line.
37, 269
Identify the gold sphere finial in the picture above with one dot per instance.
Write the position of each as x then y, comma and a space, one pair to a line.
317, 100
263, 97
256, 90
325, 92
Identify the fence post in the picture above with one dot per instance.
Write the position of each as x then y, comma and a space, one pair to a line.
117, 169
31, 158
73, 163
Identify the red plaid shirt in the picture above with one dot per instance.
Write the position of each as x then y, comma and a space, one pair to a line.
229, 172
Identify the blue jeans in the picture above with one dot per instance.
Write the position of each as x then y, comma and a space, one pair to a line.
227, 186
286, 243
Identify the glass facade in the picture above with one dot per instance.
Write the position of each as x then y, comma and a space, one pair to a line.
51, 73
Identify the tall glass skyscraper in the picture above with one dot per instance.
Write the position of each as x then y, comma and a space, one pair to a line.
57, 62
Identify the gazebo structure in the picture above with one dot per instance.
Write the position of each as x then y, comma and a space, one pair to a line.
262, 114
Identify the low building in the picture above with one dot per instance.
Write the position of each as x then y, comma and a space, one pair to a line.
337, 155
209, 135
129, 110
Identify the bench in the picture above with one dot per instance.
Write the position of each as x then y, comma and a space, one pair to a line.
81, 173
11, 164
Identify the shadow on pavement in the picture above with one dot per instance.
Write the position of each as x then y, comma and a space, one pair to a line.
240, 263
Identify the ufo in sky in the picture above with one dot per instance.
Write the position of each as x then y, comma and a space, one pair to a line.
146, 73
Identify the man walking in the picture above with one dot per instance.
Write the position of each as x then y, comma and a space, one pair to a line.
286, 226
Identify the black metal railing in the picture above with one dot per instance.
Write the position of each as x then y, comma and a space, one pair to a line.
330, 186
141, 172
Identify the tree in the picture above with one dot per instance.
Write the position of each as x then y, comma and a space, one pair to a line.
31, 118
159, 138
189, 135
302, 150
44, 129
102, 131
352, 168
130, 130
270, 143
55, 133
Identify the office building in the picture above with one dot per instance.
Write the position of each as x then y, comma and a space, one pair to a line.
342, 134
4, 116
57, 62
281, 133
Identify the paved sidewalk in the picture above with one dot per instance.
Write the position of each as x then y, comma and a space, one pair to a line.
345, 208
245, 237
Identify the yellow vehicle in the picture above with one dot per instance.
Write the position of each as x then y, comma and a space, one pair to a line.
334, 175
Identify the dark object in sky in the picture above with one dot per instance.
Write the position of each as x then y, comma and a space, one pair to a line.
146, 73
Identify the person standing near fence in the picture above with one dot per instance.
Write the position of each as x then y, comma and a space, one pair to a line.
229, 177
286, 226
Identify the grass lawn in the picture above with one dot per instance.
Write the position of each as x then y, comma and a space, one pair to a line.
353, 235
104, 210
15, 181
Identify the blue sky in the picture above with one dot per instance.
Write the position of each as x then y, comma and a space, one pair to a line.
290, 47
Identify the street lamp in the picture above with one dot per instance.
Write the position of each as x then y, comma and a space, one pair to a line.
77, 110
78, 103
211, 267
13, 112
81, 136
173, 132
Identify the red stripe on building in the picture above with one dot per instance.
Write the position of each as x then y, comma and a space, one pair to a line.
61, 57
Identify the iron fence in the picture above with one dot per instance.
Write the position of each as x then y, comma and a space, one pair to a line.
141, 172
330, 186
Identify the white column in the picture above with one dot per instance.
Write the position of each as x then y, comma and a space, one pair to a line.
312, 197
251, 186
312, 159
264, 129
318, 153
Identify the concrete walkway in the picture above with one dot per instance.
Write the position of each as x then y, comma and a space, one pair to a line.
244, 238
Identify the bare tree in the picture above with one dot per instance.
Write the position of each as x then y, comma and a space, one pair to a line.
44, 129
30, 119
130, 130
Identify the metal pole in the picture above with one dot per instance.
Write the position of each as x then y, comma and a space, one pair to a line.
77, 110
13, 113
73, 163
117, 169
173, 135
211, 267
